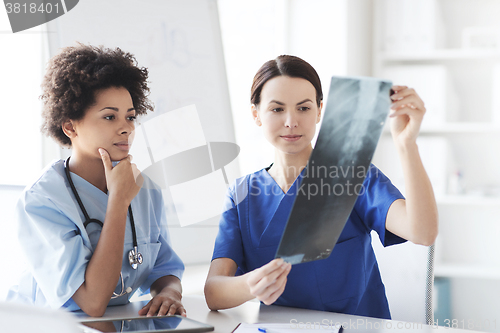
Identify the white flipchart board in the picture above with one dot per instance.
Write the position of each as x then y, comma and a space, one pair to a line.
179, 41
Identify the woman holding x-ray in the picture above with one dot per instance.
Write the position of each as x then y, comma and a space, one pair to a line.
91, 234
287, 101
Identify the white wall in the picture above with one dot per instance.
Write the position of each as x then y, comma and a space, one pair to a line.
318, 31
12, 260
20, 149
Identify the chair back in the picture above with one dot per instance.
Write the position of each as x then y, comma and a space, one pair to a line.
407, 272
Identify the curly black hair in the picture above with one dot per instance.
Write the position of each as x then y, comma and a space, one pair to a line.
75, 75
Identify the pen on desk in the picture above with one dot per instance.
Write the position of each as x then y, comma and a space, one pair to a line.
266, 330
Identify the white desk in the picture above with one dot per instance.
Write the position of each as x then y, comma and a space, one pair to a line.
225, 321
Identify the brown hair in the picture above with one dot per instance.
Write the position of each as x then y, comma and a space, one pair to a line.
74, 76
285, 65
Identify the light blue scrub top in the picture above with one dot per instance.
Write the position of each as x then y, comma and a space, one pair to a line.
58, 248
348, 281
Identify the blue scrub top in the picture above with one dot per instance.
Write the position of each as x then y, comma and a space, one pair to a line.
256, 212
58, 248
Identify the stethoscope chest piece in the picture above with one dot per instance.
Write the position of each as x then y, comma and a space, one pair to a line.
134, 257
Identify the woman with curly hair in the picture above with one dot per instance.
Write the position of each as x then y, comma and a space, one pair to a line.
92, 235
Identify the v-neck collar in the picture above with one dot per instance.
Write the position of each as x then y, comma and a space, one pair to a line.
83, 183
265, 171
86, 184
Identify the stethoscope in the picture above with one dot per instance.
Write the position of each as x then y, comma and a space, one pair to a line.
134, 256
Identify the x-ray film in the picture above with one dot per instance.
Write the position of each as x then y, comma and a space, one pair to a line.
353, 120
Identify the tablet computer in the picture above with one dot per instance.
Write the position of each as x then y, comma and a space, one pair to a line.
146, 325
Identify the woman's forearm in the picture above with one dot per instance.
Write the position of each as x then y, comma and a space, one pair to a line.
223, 292
103, 269
168, 281
421, 209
